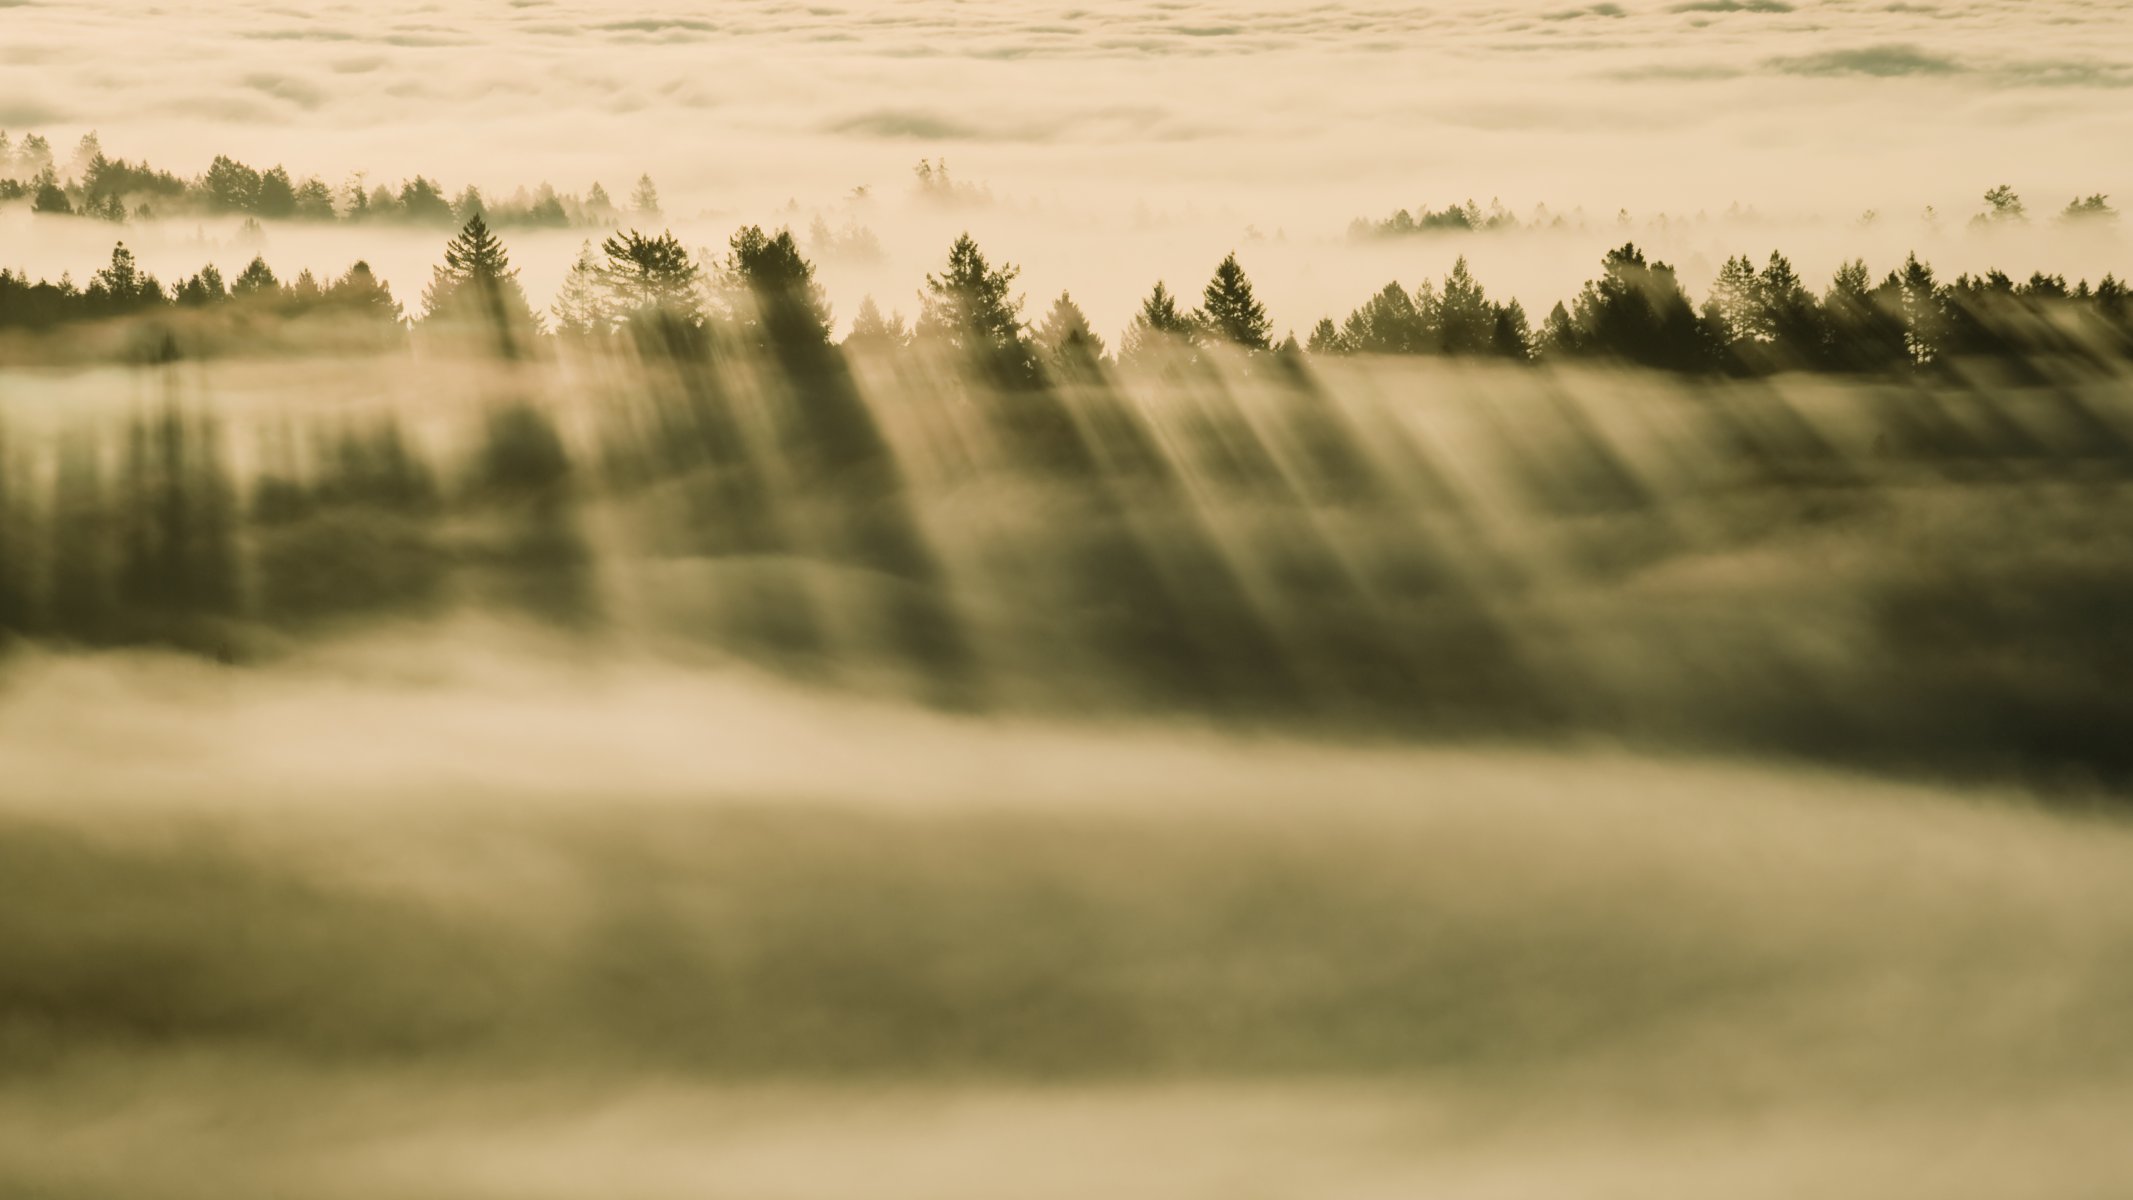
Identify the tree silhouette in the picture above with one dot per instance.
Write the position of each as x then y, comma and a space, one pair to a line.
969, 309
644, 200
276, 196
782, 306
423, 202
49, 197
1637, 312
1159, 323
581, 308
1229, 312
1070, 348
477, 288
652, 286
2003, 207
1466, 321
871, 330
256, 280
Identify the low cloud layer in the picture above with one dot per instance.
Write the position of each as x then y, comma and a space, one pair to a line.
1284, 116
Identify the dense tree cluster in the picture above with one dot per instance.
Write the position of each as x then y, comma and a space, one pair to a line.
763, 292
96, 185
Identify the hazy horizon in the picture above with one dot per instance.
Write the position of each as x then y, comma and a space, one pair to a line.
497, 726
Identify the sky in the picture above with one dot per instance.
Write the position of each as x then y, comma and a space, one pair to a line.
1202, 125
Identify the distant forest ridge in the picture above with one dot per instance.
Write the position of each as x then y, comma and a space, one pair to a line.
90, 183
1755, 318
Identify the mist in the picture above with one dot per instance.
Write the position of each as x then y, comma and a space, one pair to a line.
918, 601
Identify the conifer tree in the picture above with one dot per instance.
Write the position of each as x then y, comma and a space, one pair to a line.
1327, 339
476, 287
257, 279
781, 304
1230, 313
651, 281
276, 197
969, 308
581, 308
1466, 321
644, 201
1068, 344
1160, 322
364, 297
872, 330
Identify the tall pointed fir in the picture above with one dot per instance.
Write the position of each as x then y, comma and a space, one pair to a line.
1159, 323
1229, 312
1069, 346
476, 289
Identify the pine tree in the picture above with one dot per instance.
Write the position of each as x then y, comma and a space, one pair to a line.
581, 308
644, 201
1159, 323
1392, 322
276, 197
1790, 315
651, 280
1230, 313
1466, 321
257, 279
783, 304
872, 330
363, 296
49, 197
1735, 308
1064, 338
1511, 335
969, 309
1327, 339
477, 288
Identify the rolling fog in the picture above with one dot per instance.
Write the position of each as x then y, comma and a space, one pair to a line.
1394, 778
654, 775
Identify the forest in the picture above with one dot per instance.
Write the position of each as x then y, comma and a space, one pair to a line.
1756, 320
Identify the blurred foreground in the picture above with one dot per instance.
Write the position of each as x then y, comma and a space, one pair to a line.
614, 777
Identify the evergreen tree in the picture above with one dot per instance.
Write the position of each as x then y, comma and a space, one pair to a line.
422, 201
204, 288
469, 205
277, 196
2003, 207
1466, 321
364, 297
476, 288
230, 186
1230, 313
969, 309
1392, 322
313, 201
49, 197
1326, 339
1735, 308
873, 331
1158, 324
783, 306
1067, 343
644, 200
1789, 316
1510, 334
256, 280
1636, 311
651, 282
581, 308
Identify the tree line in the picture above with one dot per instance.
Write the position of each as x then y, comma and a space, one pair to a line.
1755, 319
93, 184
2002, 207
